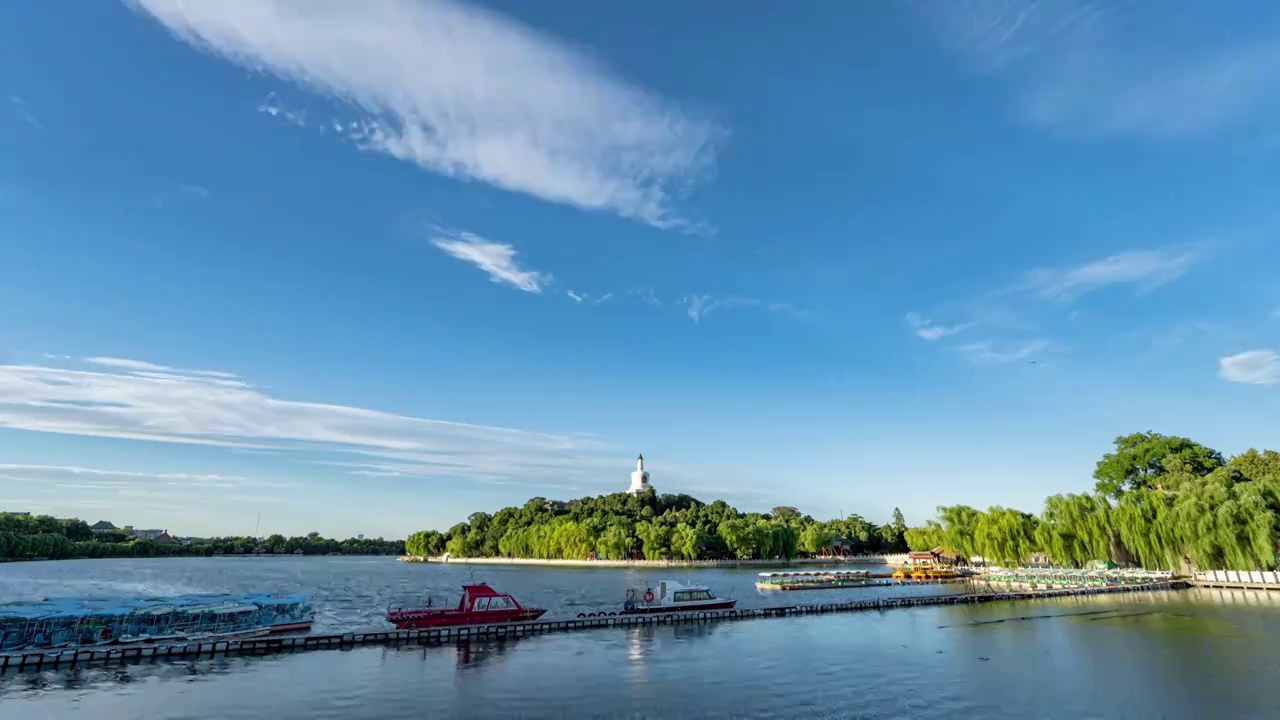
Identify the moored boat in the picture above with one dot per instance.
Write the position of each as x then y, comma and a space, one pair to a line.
814, 580
673, 597
480, 605
69, 623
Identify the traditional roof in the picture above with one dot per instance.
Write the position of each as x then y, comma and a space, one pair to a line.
103, 525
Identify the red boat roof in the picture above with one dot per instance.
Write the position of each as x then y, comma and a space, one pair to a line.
479, 590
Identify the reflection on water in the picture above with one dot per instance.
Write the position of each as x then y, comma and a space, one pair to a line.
1193, 654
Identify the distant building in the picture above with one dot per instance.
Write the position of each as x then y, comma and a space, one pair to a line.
103, 526
145, 534
639, 478
164, 538
360, 536
14, 512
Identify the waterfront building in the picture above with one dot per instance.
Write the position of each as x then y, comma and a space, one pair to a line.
103, 526
639, 478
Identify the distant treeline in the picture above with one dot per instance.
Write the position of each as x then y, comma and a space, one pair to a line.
1160, 502
651, 526
41, 537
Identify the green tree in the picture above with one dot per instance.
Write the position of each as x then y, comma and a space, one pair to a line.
1140, 459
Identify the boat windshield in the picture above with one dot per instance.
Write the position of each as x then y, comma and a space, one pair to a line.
501, 602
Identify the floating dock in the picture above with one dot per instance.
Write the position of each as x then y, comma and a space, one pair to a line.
46, 660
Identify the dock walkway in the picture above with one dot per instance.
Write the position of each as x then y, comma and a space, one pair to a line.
44, 660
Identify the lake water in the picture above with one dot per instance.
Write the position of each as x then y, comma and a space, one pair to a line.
1189, 654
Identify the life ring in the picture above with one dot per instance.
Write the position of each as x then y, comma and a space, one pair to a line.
648, 596
631, 594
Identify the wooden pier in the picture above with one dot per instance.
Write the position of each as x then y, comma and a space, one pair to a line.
45, 660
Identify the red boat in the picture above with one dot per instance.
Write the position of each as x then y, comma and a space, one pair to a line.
480, 605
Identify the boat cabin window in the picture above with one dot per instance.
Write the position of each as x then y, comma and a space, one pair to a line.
692, 595
495, 603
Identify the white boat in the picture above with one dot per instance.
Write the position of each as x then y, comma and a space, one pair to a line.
671, 597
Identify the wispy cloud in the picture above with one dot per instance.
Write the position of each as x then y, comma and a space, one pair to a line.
925, 328
646, 296
468, 93
698, 307
990, 352
1116, 68
141, 366
1145, 269
587, 298
24, 112
495, 258
119, 401
1255, 367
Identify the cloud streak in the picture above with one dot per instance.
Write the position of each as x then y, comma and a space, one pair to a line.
926, 329
580, 298
1090, 69
698, 307
468, 93
495, 258
990, 352
1145, 269
191, 409
1255, 367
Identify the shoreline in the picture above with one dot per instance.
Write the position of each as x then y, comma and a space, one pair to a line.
53, 658
557, 562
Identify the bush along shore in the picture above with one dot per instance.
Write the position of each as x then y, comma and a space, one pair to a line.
41, 537
648, 526
560, 562
1160, 502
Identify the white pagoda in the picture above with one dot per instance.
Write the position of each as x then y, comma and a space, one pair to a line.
639, 478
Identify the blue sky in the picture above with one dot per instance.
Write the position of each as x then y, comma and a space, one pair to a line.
369, 267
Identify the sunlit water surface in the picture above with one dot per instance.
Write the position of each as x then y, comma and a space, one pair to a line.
1190, 654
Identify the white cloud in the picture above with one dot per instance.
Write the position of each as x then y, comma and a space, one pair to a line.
1147, 269
989, 352
1106, 68
118, 403
24, 111
699, 306
646, 296
140, 366
589, 299
468, 93
1256, 367
926, 329
497, 259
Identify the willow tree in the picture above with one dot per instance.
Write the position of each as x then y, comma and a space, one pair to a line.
928, 537
959, 523
1075, 529
1005, 535
1143, 520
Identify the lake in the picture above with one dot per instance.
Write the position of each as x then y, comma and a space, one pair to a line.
1188, 654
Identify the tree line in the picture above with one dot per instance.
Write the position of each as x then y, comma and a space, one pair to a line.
1160, 502
653, 527
42, 537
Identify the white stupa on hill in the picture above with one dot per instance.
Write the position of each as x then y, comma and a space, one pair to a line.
639, 478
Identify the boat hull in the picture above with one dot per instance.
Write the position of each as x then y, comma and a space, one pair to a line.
416, 619
819, 586
664, 609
